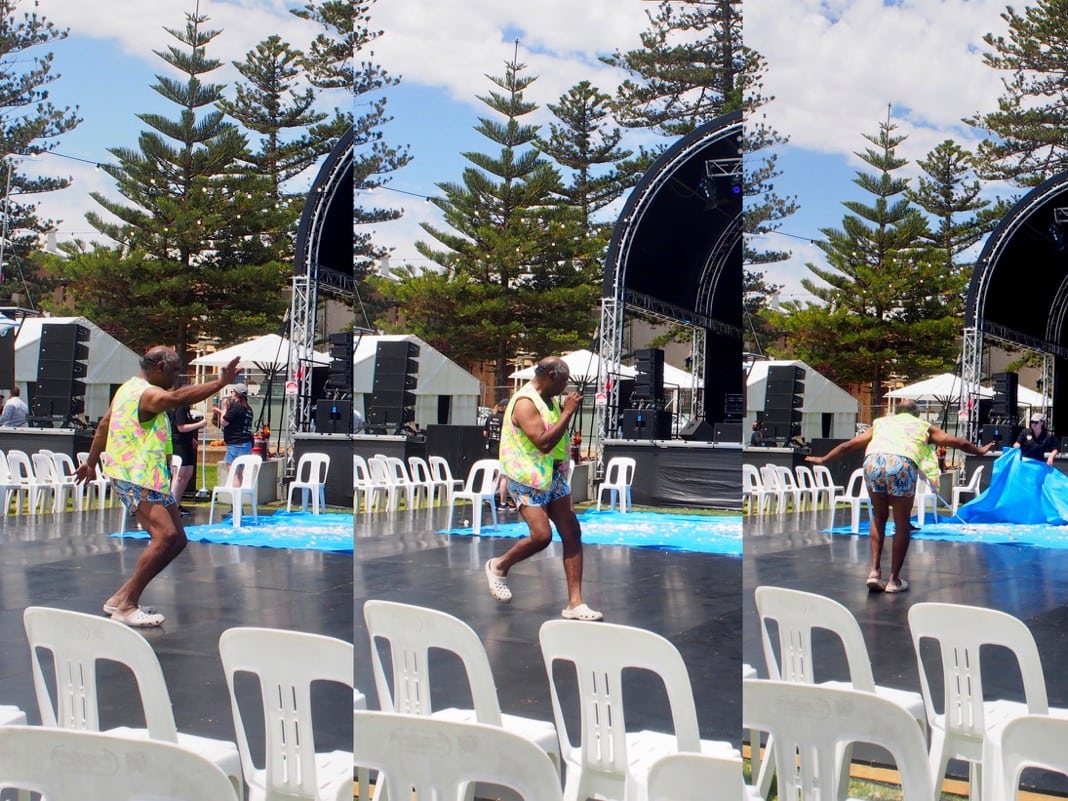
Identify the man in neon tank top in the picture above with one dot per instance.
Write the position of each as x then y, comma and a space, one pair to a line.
534, 460
135, 434
898, 449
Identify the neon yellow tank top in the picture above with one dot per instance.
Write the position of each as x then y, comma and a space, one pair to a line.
904, 435
520, 458
138, 453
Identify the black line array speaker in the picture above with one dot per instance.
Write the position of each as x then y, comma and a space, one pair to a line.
396, 377
649, 383
1004, 405
698, 430
7, 360
339, 375
646, 424
784, 392
62, 363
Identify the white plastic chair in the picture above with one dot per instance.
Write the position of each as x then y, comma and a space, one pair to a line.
693, 777
310, 479
68, 485
789, 486
398, 474
411, 631
806, 484
925, 496
11, 488
795, 614
76, 642
22, 471
769, 478
443, 479
383, 488
856, 496
618, 476
439, 759
971, 488
79, 765
361, 484
607, 759
825, 481
287, 663
970, 723
46, 480
754, 490
481, 488
97, 486
249, 465
422, 478
814, 726
1032, 741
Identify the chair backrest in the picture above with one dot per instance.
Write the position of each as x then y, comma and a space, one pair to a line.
855, 487
769, 476
44, 469
751, 477
77, 765
64, 467
1031, 741
620, 470
600, 652
411, 631
313, 467
176, 464
823, 475
960, 632
482, 477
795, 614
806, 479
287, 663
973, 482
438, 759
812, 724
249, 465
18, 462
361, 473
77, 641
420, 470
787, 479
439, 468
379, 470
398, 470
695, 777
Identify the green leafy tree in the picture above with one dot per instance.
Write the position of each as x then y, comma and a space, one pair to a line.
197, 225
513, 255
1027, 142
29, 125
951, 194
889, 305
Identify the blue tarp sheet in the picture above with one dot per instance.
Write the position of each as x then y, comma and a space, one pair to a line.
298, 530
1026, 491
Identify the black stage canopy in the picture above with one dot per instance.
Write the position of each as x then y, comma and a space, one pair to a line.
324, 237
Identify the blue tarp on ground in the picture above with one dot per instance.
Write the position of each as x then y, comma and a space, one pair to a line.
298, 530
1026, 491
663, 531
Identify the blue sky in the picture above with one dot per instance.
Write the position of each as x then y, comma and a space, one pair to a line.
833, 66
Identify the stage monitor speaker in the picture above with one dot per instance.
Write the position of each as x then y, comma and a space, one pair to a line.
649, 383
333, 416
1004, 405
729, 431
7, 360
646, 424
699, 430
1001, 434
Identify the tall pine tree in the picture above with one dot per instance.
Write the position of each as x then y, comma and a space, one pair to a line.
515, 276
196, 232
889, 306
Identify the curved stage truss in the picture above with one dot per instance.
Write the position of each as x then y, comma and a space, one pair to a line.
323, 265
1004, 307
676, 257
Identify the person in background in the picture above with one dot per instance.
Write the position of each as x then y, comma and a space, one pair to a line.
15, 413
491, 433
897, 448
135, 434
236, 421
1036, 441
184, 433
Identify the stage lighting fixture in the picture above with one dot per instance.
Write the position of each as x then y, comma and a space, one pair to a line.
708, 187
1056, 233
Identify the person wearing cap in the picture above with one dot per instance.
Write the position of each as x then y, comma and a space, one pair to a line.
135, 434
237, 428
1036, 441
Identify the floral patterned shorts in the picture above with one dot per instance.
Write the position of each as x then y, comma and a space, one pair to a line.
133, 496
890, 474
523, 494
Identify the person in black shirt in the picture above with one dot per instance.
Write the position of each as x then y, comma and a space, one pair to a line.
491, 431
237, 428
184, 428
1036, 441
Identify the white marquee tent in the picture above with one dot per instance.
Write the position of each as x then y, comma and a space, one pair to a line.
110, 362
828, 410
439, 377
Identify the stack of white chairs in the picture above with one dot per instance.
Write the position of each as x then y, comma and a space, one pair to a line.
757, 497
11, 489
383, 488
22, 470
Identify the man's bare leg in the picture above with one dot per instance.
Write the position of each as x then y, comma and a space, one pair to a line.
880, 513
167, 539
567, 525
902, 506
541, 534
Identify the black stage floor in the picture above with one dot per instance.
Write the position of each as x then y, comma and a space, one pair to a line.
1029, 583
690, 598
68, 561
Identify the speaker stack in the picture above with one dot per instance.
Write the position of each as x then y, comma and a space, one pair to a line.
649, 383
396, 378
339, 374
62, 364
784, 392
1004, 406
